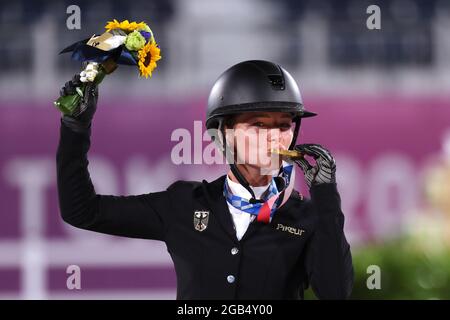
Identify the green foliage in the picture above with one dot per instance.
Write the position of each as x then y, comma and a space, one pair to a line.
408, 271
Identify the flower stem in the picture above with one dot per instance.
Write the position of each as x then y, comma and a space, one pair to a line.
68, 104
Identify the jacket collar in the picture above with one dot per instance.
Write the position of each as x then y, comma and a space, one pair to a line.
213, 192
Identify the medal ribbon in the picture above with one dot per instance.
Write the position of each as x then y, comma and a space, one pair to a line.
272, 198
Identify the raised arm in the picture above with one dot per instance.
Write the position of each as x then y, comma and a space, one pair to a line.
141, 216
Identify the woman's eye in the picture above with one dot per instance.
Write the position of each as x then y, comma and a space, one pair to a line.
285, 126
282, 126
258, 124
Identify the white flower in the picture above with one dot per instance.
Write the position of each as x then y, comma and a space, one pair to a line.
89, 73
92, 66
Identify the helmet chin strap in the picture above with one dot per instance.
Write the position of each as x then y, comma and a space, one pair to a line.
230, 159
243, 182
298, 122
234, 168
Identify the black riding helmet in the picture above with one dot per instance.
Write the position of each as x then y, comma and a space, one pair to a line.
254, 85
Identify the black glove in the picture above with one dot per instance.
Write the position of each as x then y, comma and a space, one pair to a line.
325, 169
80, 120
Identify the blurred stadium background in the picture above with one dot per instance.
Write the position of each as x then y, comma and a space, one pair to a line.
382, 96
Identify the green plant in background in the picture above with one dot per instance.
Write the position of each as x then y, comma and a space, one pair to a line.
409, 270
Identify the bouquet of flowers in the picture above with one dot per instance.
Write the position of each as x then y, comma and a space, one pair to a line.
128, 43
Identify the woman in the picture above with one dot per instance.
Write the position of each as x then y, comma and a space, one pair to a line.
246, 235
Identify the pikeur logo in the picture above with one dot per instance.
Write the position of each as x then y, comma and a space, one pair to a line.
289, 229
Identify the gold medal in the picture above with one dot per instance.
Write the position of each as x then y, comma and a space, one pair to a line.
288, 154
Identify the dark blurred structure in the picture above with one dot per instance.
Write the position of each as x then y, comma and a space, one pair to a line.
21, 16
406, 38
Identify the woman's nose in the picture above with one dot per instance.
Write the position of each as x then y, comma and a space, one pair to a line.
273, 134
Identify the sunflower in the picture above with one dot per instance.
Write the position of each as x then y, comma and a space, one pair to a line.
148, 56
125, 25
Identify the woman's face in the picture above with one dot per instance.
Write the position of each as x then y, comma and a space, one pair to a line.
254, 134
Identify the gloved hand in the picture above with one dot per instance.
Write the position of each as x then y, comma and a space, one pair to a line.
325, 169
80, 120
